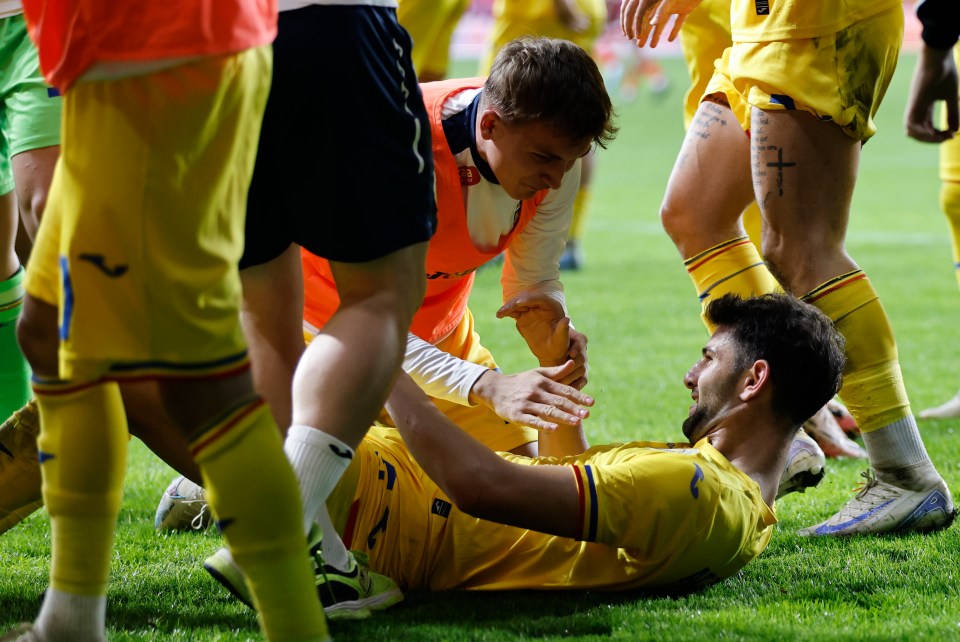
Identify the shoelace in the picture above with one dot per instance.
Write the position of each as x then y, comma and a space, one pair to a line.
197, 522
870, 480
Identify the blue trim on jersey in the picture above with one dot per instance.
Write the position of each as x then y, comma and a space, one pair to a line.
67, 299
461, 132
594, 509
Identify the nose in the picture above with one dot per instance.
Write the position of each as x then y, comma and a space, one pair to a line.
553, 175
690, 379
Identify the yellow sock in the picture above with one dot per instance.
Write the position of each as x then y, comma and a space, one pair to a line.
873, 387
733, 266
255, 499
83, 459
950, 202
578, 225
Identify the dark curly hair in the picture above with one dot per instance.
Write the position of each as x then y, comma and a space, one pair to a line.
804, 350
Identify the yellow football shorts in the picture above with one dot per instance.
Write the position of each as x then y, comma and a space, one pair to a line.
144, 221
431, 24
840, 78
517, 18
704, 37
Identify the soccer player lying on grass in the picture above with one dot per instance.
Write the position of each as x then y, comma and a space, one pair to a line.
430, 510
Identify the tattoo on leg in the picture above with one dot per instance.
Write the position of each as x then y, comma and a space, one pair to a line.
780, 164
709, 115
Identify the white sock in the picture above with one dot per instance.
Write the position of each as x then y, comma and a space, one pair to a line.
78, 618
334, 551
898, 456
318, 459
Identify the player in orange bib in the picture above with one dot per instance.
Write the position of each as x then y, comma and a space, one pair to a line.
506, 157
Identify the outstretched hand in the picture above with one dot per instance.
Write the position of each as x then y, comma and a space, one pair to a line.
535, 398
641, 20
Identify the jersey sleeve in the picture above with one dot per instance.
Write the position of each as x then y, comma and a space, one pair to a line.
441, 375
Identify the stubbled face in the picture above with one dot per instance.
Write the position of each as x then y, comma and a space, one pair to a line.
526, 158
712, 382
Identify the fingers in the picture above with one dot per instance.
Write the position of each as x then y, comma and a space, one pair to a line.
626, 26
558, 410
925, 132
527, 301
576, 379
677, 24
579, 383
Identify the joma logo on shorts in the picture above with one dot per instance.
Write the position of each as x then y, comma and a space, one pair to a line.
100, 261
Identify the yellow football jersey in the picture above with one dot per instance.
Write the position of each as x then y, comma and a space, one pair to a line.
652, 515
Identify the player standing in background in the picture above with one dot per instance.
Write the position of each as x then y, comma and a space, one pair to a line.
144, 222
431, 24
935, 80
29, 145
580, 22
805, 81
704, 37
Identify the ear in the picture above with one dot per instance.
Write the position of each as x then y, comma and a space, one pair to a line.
755, 380
489, 120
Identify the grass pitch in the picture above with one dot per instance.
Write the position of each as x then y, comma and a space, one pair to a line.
638, 308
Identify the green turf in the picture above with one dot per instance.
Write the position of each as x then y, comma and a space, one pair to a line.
637, 306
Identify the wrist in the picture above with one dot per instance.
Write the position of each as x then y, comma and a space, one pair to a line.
480, 391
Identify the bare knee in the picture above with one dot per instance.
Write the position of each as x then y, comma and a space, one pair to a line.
39, 336
393, 285
675, 219
31, 210
693, 229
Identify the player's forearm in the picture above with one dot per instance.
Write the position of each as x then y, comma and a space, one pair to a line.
565, 440
439, 374
451, 457
477, 481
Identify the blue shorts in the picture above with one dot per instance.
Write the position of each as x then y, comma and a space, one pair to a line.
344, 166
